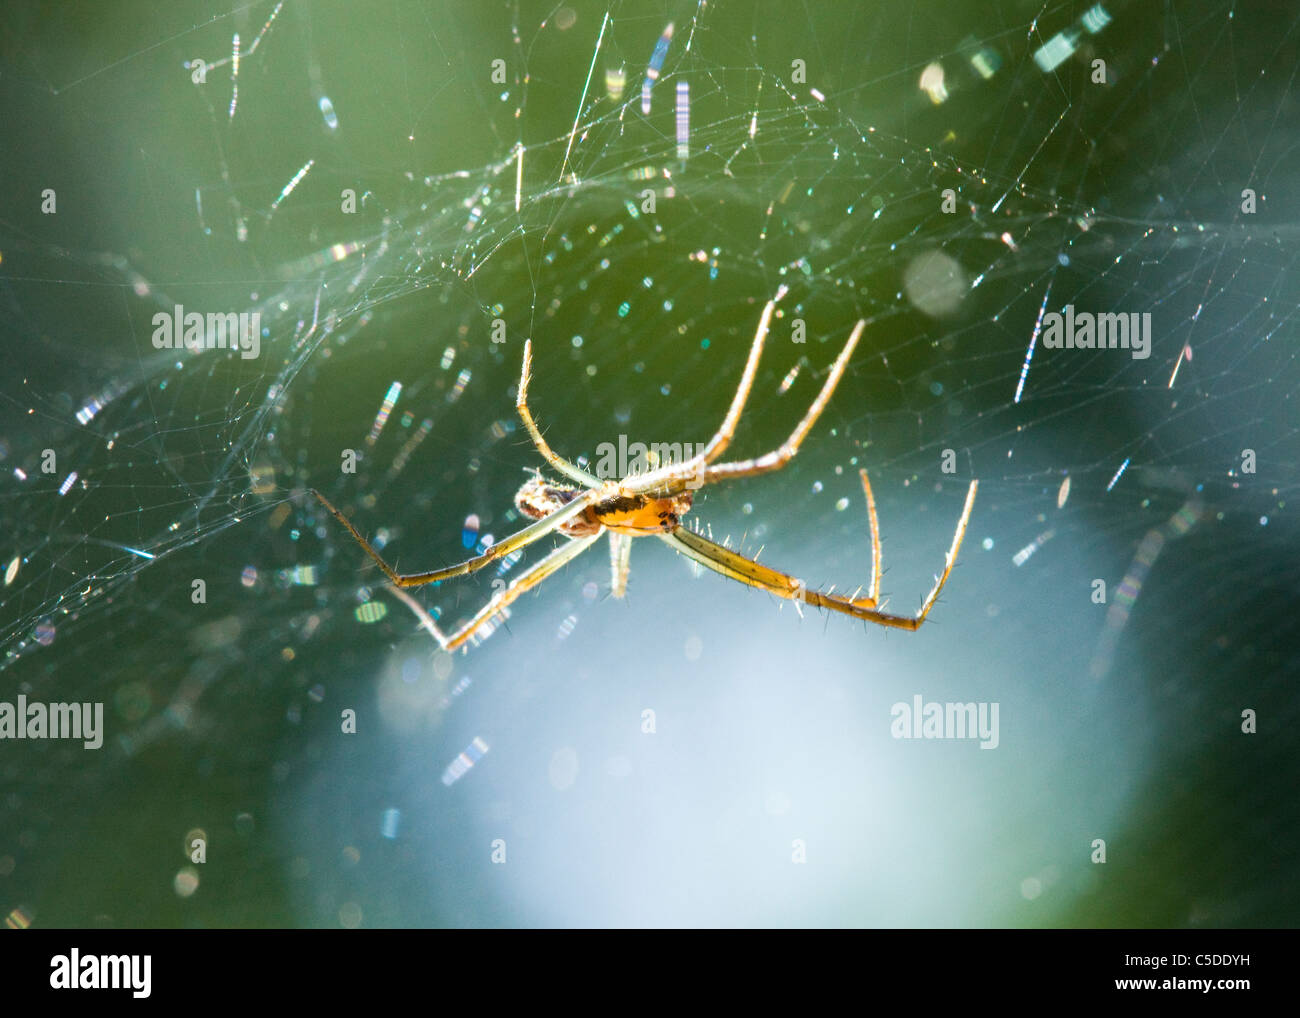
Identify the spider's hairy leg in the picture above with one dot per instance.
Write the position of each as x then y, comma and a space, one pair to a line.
738, 567
732, 564
719, 442
951, 558
520, 539
570, 470
776, 460
620, 555
521, 584
875, 538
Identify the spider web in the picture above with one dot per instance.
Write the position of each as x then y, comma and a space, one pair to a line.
402, 212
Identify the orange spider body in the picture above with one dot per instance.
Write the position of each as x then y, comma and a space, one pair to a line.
633, 514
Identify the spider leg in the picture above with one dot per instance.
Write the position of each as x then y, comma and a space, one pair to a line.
691, 473
520, 539
521, 584
719, 442
875, 537
570, 470
736, 566
776, 460
620, 554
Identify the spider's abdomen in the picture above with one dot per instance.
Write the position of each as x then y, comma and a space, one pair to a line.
638, 515
635, 515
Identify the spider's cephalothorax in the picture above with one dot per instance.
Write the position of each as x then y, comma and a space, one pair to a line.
616, 509
653, 504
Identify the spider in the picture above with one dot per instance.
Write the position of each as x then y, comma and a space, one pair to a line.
654, 503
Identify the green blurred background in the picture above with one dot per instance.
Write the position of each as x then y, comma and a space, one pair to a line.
1119, 722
